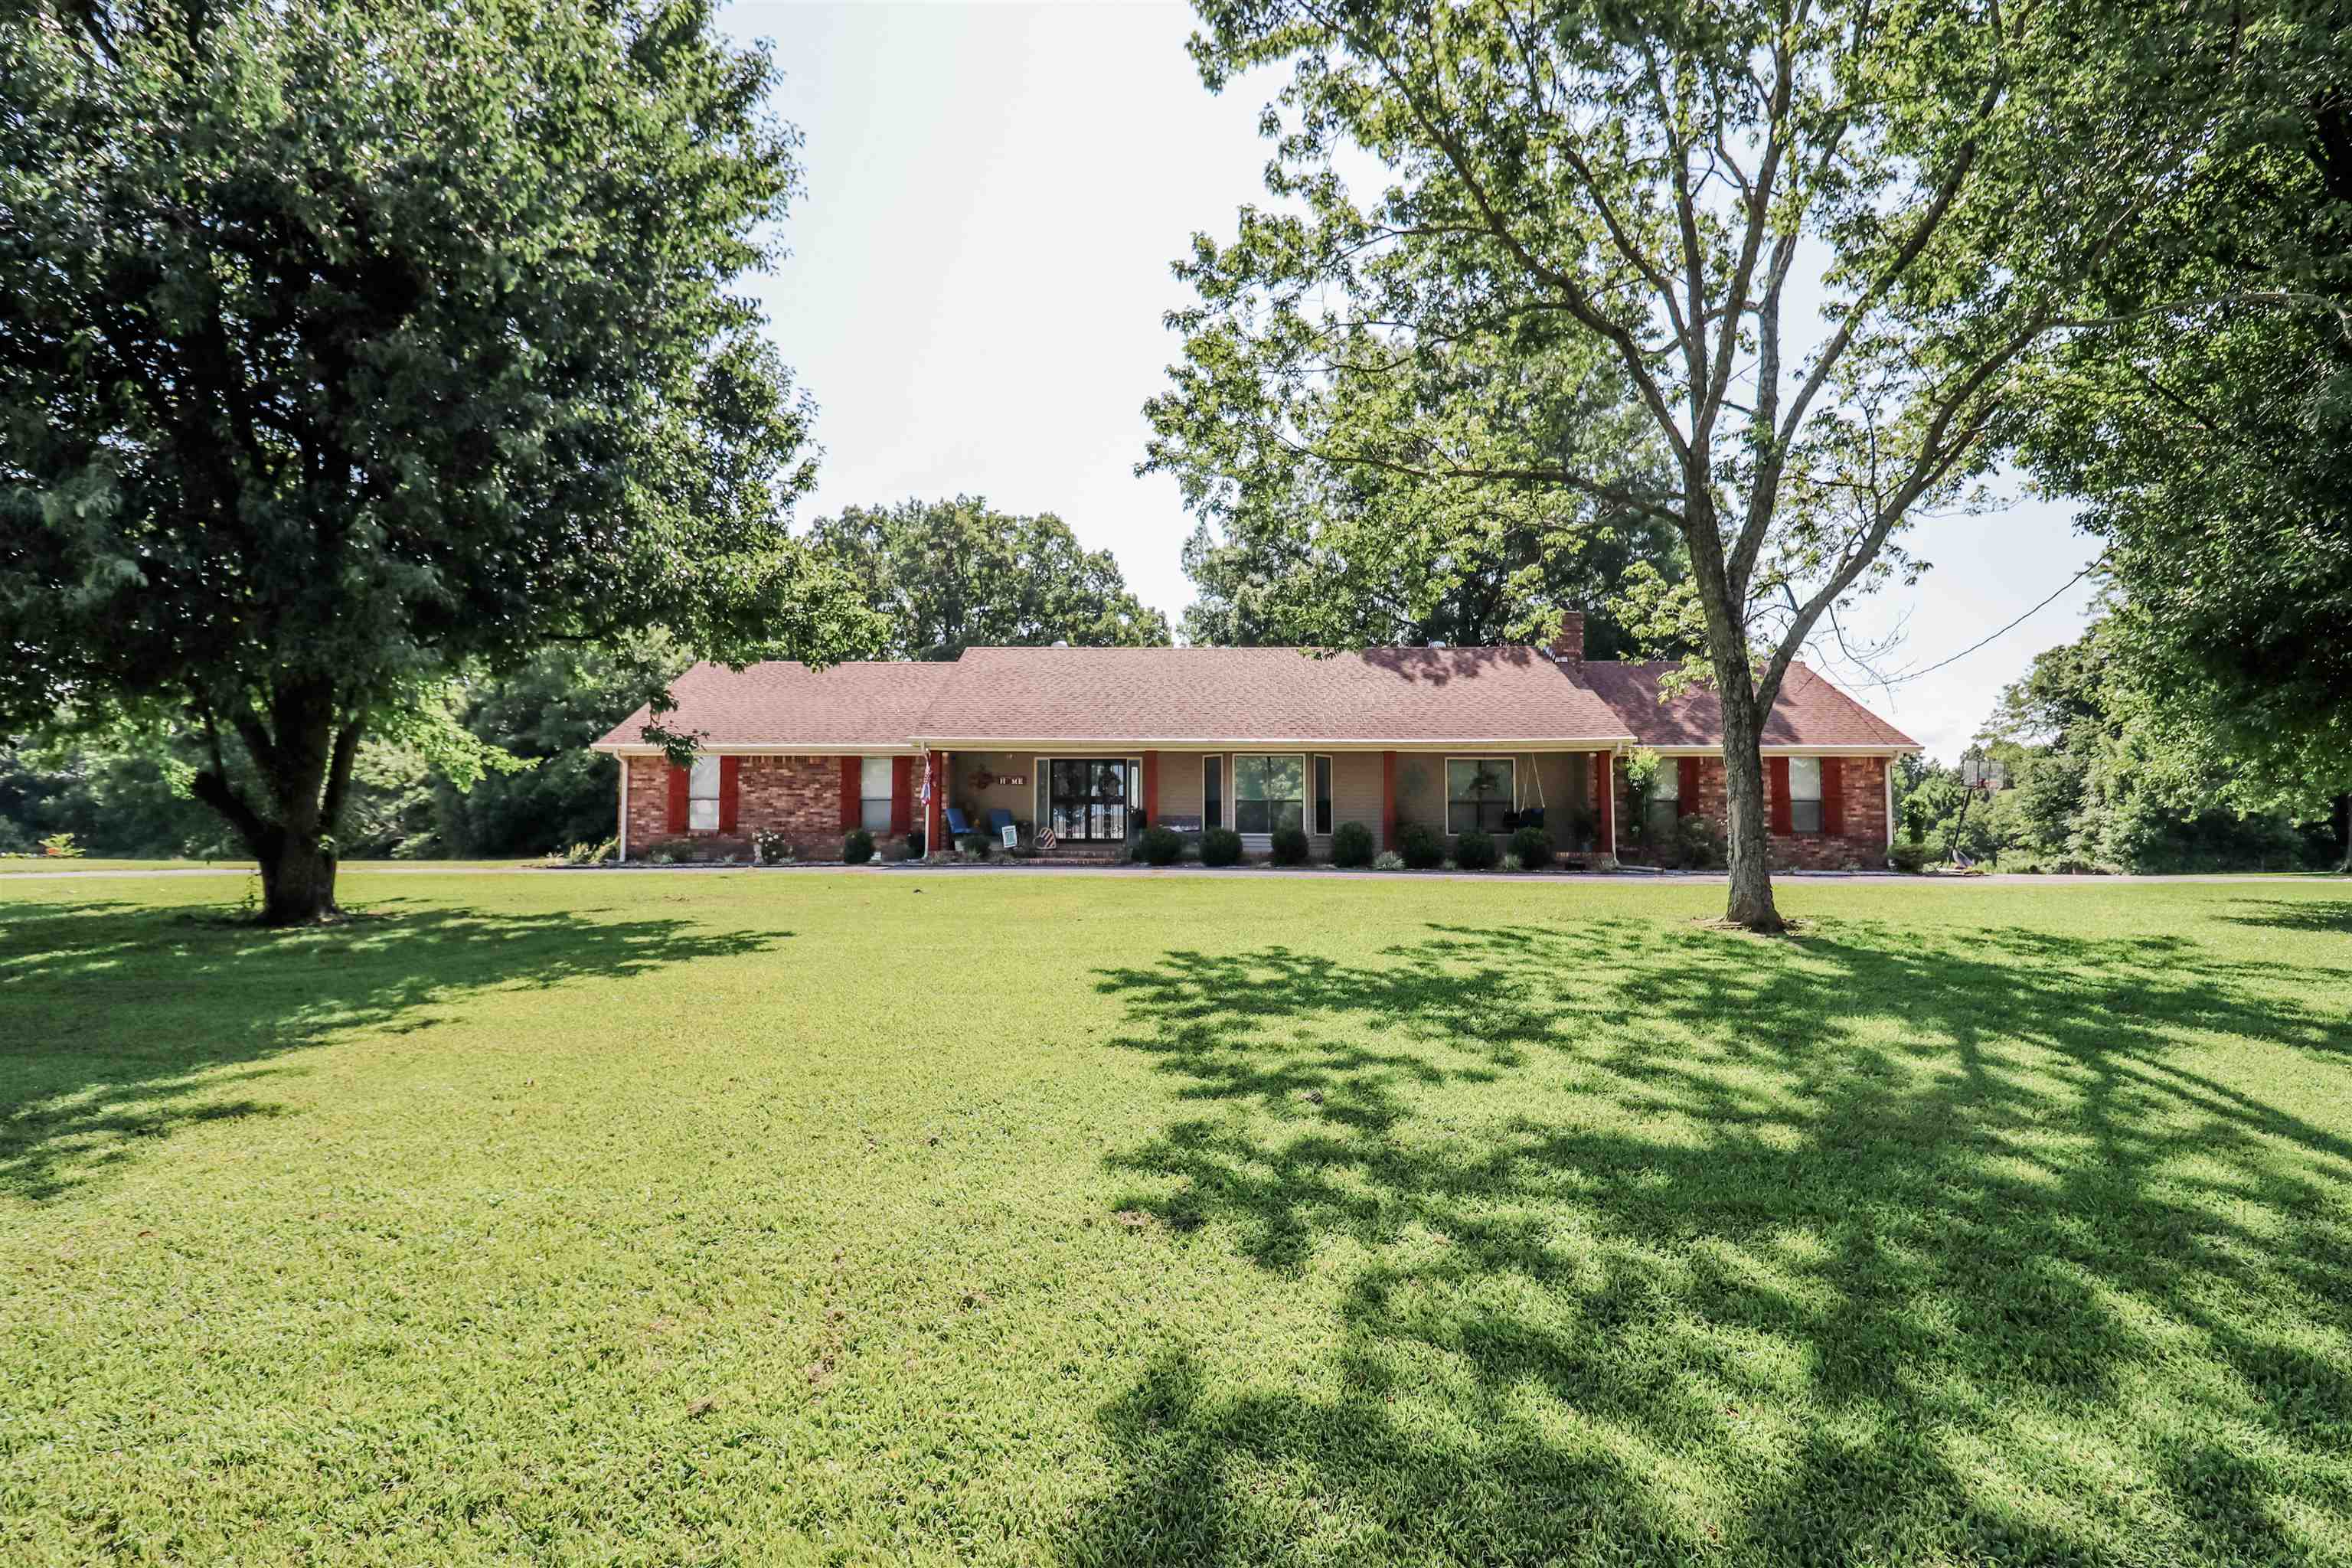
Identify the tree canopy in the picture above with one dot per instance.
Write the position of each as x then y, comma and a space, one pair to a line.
1628, 196
1294, 547
343, 349
951, 574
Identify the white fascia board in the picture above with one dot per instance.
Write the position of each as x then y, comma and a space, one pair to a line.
746, 749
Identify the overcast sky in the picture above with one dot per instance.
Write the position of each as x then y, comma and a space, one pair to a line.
981, 262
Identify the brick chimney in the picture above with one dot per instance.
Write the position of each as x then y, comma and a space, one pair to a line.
1568, 643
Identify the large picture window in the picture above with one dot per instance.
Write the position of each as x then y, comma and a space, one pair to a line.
1269, 793
702, 795
1805, 794
1477, 794
874, 793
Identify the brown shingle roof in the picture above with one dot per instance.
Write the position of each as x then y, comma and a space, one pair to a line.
785, 703
1810, 711
1277, 694
1416, 696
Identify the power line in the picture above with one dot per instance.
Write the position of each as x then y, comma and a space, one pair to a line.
1915, 674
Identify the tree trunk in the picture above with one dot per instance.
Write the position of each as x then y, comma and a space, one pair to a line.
304, 759
2344, 834
298, 881
1748, 830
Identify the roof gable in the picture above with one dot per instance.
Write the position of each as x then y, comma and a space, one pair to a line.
1809, 712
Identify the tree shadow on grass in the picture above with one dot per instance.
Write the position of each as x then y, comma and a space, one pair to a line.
2328, 916
120, 1024
1659, 1244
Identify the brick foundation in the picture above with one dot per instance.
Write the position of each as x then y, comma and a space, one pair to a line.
797, 796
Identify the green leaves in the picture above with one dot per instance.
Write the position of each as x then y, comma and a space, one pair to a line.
346, 349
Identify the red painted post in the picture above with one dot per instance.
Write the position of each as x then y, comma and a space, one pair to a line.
1608, 785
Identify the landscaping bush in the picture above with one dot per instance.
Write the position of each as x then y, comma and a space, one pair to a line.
975, 843
1533, 847
586, 854
1221, 846
915, 844
1352, 846
1698, 844
773, 849
668, 852
1388, 861
1160, 846
1422, 849
1908, 857
858, 848
1476, 851
1289, 846
1512, 862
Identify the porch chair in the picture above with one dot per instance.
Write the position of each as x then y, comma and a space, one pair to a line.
999, 819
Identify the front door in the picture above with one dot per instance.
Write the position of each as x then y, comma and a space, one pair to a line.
1088, 799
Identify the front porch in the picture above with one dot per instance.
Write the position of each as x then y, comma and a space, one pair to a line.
1105, 798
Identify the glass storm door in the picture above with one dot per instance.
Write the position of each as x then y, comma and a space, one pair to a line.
1089, 797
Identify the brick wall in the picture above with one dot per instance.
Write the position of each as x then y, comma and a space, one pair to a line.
1861, 846
798, 796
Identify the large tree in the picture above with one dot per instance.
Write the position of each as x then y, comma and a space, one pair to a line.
952, 574
343, 349
1819, 244
1295, 548
2209, 434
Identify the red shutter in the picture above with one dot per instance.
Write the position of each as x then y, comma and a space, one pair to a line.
677, 800
902, 795
848, 792
1834, 796
1686, 786
1776, 785
730, 792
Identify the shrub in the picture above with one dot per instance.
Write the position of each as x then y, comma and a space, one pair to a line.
772, 847
858, 848
1352, 845
586, 854
1476, 851
1388, 861
1512, 862
62, 846
1532, 847
1289, 846
915, 844
1422, 849
1160, 846
1698, 844
975, 844
1221, 846
669, 851
1908, 857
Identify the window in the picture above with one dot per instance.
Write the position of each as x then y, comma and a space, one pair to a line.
874, 793
1322, 794
1665, 800
1212, 792
1477, 794
702, 795
1269, 793
1805, 794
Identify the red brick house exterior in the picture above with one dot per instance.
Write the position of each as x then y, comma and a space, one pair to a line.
1094, 743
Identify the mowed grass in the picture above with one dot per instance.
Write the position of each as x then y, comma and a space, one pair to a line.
912, 1217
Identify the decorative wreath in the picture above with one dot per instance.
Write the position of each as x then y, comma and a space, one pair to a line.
982, 779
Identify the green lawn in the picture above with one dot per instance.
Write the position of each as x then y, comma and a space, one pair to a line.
742, 1218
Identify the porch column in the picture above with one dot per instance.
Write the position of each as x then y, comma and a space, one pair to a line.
1387, 800
935, 814
1606, 780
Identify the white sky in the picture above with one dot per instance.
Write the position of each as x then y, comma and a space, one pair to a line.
980, 266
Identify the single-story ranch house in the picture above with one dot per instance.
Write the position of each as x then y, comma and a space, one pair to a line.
1095, 743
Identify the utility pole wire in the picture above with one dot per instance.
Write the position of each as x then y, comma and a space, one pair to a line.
1915, 674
